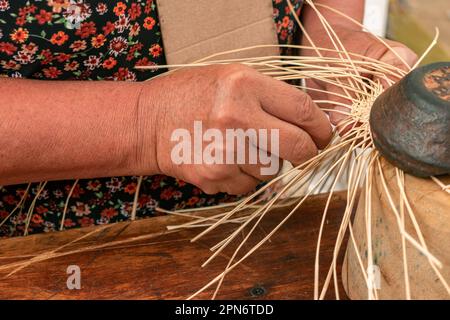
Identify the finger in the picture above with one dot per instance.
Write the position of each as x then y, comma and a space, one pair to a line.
240, 183
294, 106
263, 172
285, 140
267, 166
210, 188
399, 55
209, 176
332, 99
256, 162
317, 92
393, 59
342, 106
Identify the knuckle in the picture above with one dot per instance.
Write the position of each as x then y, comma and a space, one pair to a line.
200, 182
230, 190
204, 184
232, 95
305, 111
235, 76
209, 189
214, 172
224, 116
197, 180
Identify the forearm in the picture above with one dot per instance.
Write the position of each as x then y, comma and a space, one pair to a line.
341, 25
71, 129
352, 8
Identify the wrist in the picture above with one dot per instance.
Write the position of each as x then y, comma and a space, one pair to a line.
146, 127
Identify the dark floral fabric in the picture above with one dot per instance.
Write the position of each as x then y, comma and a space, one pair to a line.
77, 39
92, 40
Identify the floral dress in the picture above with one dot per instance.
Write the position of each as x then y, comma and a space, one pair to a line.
92, 40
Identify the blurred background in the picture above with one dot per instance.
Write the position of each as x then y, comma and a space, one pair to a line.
412, 22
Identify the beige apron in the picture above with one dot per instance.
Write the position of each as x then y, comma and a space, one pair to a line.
195, 29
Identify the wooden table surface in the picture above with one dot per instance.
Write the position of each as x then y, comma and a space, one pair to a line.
166, 265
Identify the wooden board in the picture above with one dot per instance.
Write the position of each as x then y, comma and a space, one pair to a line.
166, 265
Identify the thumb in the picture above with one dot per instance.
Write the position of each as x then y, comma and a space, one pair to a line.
400, 56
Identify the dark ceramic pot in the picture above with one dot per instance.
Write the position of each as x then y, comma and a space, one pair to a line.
410, 122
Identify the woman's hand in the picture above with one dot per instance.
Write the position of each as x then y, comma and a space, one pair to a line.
81, 129
227, 97
360, 43
354, 40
